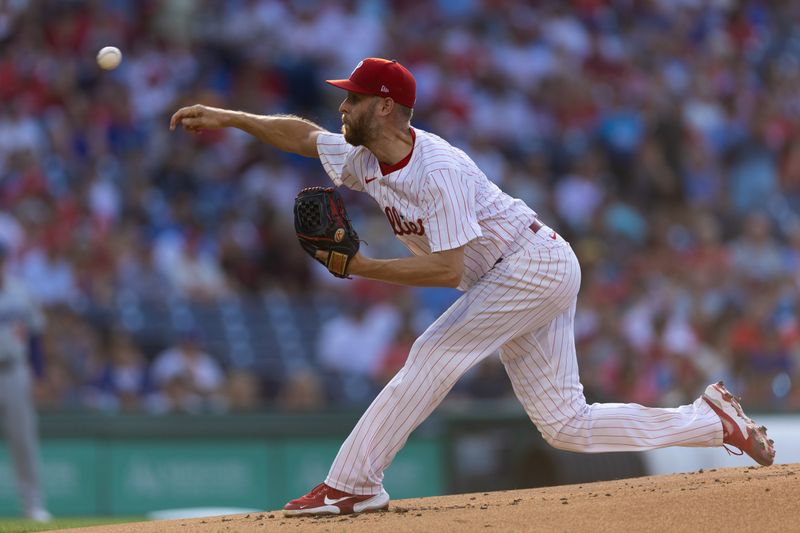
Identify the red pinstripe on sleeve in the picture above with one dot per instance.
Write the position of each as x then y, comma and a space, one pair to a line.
444, 189
336, 158
452, 219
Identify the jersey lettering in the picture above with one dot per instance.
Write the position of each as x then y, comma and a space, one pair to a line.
457, 204
400, 226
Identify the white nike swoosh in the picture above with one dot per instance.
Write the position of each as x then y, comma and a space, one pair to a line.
328, 501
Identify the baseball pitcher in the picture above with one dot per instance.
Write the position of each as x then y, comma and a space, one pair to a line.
520, 280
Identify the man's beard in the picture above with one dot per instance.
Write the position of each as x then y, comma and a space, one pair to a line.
357, 133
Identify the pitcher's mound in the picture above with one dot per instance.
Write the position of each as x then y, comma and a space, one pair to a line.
752, 499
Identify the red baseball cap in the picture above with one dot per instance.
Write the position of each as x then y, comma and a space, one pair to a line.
381, 77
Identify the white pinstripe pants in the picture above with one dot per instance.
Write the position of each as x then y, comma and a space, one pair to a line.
524, 307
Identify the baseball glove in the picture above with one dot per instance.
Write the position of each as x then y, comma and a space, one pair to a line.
321, 223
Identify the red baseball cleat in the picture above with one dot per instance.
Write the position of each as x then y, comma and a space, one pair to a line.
326, 500
738, 429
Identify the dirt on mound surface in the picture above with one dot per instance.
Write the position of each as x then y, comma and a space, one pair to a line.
752, 499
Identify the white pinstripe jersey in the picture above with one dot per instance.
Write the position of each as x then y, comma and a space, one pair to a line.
439, 200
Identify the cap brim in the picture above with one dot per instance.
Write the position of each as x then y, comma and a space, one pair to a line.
348, 85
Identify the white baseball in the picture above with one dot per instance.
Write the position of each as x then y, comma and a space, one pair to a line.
109, 57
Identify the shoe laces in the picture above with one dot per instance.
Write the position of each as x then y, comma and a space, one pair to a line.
732, 452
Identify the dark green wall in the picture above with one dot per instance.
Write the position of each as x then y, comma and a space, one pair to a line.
123, 465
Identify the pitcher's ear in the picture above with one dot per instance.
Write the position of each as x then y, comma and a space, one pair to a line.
386, 107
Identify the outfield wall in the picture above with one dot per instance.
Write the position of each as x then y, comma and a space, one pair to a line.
130, 465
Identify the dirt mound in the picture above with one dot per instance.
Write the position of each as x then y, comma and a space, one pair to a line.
742, 499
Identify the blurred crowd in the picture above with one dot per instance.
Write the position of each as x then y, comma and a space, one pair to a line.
660, 137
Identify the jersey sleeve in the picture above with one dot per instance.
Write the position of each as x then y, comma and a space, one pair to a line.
452, 213
34, 317
37, 320
335, 156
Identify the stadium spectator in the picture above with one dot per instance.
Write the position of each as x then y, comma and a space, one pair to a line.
187, 378
351, 345
122, 382
193, 271
302, 391
136, 272
661, 138
241, 392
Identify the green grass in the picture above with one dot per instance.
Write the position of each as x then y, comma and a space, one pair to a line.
20, 525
